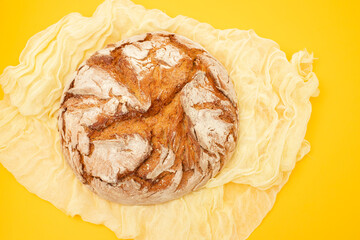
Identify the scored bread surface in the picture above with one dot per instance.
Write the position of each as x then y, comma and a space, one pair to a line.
148, 119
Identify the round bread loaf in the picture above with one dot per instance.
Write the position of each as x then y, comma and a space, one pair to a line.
148, 119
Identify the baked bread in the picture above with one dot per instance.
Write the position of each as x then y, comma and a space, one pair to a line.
148, 119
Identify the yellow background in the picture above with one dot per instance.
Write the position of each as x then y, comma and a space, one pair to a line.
321, 199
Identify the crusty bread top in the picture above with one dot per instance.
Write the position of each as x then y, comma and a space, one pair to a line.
148, 119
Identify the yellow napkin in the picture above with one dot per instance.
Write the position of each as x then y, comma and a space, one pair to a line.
273, 96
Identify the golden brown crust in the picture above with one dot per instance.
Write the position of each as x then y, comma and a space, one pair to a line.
148, 119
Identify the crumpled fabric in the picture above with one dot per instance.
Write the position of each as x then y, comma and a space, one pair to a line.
274, 109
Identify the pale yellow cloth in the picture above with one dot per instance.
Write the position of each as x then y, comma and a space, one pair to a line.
273, 96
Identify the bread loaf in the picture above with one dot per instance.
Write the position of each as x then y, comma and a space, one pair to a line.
148, 119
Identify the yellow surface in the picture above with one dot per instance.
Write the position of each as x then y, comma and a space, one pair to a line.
321, 199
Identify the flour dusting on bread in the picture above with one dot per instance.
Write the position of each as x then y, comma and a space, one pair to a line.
148, 119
